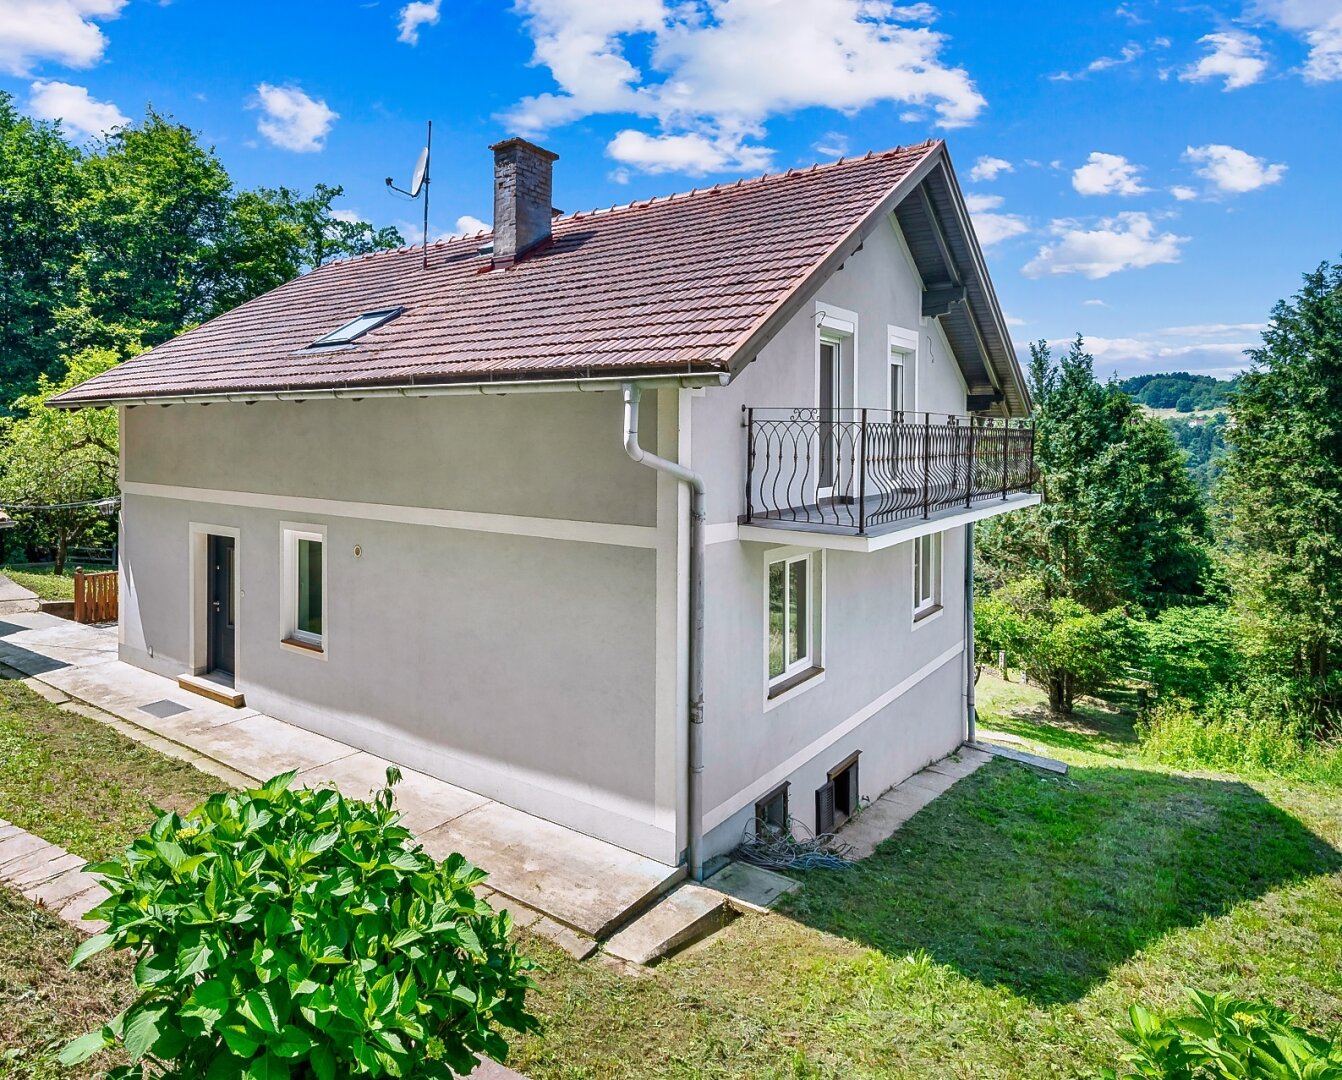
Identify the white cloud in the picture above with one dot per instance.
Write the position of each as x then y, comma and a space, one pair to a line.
293, 120
1012, 320
692, 153
350, 217
993, 228
74, 107
832, 144
1094, 303
1213, 329
1154, 350
1232, 55
469, 226
1233, 171
989, 168
1108, 174
1130, 52
413, 16
1183, 193
711, 74
63, 31
1128, 241
1320, 23
1124, 11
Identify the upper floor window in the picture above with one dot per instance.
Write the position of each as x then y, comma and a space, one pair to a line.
793, 598
926, 575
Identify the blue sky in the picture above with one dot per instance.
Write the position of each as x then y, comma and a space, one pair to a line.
1152, 174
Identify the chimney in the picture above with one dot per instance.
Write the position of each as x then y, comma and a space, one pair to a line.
522, 193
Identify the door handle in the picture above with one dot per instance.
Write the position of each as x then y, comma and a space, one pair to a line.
215, 604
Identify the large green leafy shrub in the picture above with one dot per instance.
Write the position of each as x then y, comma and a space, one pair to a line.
1224, 1038
1192, 651
295, 933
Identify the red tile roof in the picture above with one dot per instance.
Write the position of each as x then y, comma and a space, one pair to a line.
668, 285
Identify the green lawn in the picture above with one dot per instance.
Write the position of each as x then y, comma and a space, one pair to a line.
1002, 932
41, 580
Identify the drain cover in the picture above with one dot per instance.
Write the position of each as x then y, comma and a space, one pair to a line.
164, 709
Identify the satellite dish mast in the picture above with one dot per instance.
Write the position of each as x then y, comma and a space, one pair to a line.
419, 185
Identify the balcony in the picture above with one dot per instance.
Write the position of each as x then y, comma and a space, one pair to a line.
868, 473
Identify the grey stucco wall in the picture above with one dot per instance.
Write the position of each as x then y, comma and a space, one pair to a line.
871, 645
522, 667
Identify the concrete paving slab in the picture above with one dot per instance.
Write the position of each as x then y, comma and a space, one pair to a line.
18, 846
582, 881
41, 689
59, 890
688, 914
425, 801
1021, 757
7, 830
751, 887
577, 945
42, 872
260, 746
124, 690
492, 1070
16, 871
11, 590
74, 910
523, 916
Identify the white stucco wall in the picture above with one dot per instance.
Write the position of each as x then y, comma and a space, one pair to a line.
891, 690
521, 666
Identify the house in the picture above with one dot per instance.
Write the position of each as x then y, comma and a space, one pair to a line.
653, 521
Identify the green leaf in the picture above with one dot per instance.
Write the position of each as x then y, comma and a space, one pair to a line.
292, 1042
323, 1062
91, 947
142, 1030
239, 1040
276, 784
267, 1067
79, 1050
208, 1003
171, 853
257, 1007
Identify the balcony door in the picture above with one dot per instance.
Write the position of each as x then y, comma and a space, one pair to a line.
830, 427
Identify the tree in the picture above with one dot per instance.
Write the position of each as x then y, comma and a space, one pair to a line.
153, 204
275, 234
1061, 646
1281, 492
54, 458
1121, 522
39, 185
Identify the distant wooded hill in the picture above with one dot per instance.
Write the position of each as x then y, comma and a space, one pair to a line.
1179, 390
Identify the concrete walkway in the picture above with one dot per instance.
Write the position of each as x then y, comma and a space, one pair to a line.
879, 821
15, 598
50, 876
572, 887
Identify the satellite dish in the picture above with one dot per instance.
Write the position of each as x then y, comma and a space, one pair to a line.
421, 167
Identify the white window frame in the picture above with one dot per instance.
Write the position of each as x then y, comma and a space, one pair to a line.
926, 605
902, 351
784, 686
291, 637
838, 327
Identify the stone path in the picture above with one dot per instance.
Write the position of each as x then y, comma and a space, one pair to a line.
14, 597
50, 877
877, 822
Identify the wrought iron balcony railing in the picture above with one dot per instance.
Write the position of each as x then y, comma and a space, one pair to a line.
857, 470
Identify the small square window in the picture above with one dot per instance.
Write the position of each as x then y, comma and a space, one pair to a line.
926, 575
304, 589
837, 799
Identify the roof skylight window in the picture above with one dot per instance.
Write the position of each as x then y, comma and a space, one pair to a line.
356, 328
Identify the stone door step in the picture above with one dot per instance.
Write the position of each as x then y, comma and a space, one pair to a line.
212, 687
1046, 763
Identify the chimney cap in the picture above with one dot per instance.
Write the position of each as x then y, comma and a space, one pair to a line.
508, 144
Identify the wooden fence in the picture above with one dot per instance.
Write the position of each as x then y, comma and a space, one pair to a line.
95, 596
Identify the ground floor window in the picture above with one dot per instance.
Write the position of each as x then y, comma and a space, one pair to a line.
926, 575
771, 812
792, 599
837, 799
305, 588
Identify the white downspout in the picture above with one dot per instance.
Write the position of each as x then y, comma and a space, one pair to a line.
971, 713
695, 649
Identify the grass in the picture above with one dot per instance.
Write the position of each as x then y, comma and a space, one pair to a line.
79, 783
43, 580
1003, 932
